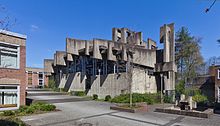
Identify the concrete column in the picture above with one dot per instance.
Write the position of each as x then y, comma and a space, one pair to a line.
123, 35
114, 34
166, 53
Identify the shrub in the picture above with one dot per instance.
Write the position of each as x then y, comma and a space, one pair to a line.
108, 98
30, 110
95, 96
199, 98
168, 99
51, 83
41, 106
48, 107
136, 97
123, 98
192, 92
22, 108
8, 113
79, 93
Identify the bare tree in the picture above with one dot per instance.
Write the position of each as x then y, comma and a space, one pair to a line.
6, 21
129, 65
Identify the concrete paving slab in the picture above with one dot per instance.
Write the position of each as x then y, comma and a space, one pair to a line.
94, 113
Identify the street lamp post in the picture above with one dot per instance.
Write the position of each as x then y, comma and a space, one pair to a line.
161, 88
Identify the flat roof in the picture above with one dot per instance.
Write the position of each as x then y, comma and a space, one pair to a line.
34, 69
13, 34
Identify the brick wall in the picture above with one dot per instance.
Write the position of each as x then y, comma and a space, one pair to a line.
46, 79
35, 78
18, 74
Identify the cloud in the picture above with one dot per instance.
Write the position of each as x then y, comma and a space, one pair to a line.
34, 27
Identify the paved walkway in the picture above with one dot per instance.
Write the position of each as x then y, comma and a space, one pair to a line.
93, 113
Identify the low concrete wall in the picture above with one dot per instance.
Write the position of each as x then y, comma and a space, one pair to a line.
183, 112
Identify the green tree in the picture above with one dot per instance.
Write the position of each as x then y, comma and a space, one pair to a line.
188, 55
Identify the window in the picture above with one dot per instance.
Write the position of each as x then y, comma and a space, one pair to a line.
219, 94
40, 75
40, 82
9, 97
29, 77
218, 73
9, 55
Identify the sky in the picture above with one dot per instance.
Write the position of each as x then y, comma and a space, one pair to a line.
47, 23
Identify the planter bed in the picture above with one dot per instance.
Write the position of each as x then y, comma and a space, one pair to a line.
183, 112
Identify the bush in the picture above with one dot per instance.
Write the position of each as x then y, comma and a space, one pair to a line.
79, 93
52, 84
199, 98
95, 96
30, 110
22, 108
136, 97
8, 113
108, 98
41, 106
192, 92
168, 99
123, 98
48, 107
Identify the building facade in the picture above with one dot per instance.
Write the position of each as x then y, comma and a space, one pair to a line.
214, 72
102, 67
12, 69
35, 78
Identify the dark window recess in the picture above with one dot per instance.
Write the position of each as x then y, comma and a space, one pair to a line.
151, 72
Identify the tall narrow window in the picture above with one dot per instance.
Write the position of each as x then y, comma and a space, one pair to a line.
9, 56
29, 77
218, 73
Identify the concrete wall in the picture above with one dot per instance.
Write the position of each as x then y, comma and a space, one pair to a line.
48, 66
72, 82
60, 58
114, 84
145, 57
111, 84
78, 83
142, 82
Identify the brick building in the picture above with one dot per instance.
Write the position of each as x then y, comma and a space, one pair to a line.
214, 72
35, 78
12, 69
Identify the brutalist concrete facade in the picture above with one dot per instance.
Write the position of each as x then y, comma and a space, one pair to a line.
99, 66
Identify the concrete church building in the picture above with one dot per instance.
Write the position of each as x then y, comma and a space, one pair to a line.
99, 66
